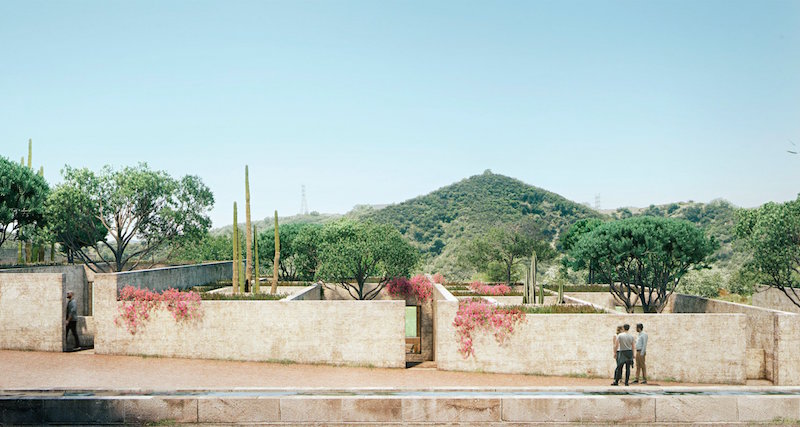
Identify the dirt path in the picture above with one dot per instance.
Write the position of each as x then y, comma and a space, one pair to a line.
23, 370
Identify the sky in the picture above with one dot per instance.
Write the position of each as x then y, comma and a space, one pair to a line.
374, 102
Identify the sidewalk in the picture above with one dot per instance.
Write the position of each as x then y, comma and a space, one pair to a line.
84, 370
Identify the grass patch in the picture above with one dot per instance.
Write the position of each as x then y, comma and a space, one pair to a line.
579, 288
242, 297
211, 286
457, 288
474, 294
556, 309
739, 299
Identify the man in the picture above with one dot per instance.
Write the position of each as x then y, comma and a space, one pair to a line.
641, 352
72, 320
625, 358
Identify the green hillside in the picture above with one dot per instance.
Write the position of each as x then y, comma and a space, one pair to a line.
438, 222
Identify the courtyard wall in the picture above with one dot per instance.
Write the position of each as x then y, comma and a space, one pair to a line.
581, 345
32, 311
178, 277
303, 330
774, 299
76, 281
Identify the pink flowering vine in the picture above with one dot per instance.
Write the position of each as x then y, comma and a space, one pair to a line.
418, 287
438, 278
136, 305
494, 290
477, 314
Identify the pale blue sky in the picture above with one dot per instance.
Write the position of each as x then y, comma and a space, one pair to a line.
377, 101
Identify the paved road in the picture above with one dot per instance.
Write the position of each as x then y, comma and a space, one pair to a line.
23, 370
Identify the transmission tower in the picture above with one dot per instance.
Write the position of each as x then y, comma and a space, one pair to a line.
303, 201
597, 202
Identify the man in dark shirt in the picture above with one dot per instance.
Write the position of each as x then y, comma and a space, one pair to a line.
72, 320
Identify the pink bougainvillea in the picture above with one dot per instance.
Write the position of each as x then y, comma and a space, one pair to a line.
477, 314
418, 287
494, 290
438, 278
136, 305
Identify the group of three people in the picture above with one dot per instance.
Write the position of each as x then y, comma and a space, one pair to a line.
624, 356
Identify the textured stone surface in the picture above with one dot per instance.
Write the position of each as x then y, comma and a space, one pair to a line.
774, 299
84, 411
543, 409
787, 351
154, 409
180, 277
32, 311
370, 333
768, 408
619, 409
75, 280
696, 408
372, 409
238, 410
21, 411
581, 344
440, 409
306, 409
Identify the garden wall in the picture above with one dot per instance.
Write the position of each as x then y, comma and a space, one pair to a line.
581, 344
32, 311
304, 331
76, 281
180, 277
774, 299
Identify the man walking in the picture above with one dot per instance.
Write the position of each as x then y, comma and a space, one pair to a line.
641, 352
625, 357
72, 320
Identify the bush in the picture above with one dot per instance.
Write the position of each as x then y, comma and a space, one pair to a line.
418, 287
491, 290
579, 288
703, 283
241, 297
742, 282
558, 309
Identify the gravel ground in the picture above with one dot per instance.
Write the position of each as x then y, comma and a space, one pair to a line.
27, 370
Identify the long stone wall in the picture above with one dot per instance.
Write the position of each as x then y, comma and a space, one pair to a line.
774, 299
684, 347
332, 332
76, 281
32, 311
180, 277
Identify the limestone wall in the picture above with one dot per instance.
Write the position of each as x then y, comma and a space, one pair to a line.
32, 311
76, 281
581, 344
180, 277
334, 332
774, 299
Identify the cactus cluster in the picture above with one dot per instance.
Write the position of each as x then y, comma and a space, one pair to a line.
236, 252
277, 257
529, 290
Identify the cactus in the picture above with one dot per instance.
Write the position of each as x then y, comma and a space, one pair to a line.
20, 244
235, 278
561, 292
28, 244
249, 238
277, 257
52, 252
256, 281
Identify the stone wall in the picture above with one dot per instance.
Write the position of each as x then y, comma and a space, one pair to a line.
76, 281
774, 299
32, 311
581, 344
332, 332
180, 277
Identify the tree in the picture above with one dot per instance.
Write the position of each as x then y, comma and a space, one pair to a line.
22, 200
72, 220
772, 234
299, 243
505, 247
137, 211
643, 258
571, 237
354, 251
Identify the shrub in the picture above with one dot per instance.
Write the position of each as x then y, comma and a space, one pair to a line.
418, 287
558, 309
484, 289
579, 288
743, 282
704, 283
478, 314
242, 297
438, 278
138, 303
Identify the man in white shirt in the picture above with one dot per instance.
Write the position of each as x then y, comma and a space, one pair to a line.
625, 357
641, 352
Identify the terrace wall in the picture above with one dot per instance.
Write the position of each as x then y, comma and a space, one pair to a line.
581, 344
179, 277
302, 330
76, 281
774, 299
32, 311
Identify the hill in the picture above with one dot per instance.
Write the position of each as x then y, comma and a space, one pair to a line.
267, 223
439, 221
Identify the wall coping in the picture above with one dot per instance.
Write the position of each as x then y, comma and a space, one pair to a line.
175, 267
297, 295
735, 304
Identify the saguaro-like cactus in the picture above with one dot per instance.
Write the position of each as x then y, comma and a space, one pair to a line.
248, 283
236, 254
561, 292
28, 244
20, 244
256, 281
277, 258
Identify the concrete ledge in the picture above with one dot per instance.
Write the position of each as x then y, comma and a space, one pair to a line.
404, 407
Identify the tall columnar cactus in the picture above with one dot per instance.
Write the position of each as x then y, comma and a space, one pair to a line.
256, 280
277, 258
236, 254
248, 283
20, 243
52, 251
28, 244
561, 292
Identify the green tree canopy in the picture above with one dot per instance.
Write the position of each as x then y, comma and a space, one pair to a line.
299, 244
772, 234
137, 211
643, 258
22, 199
502, 248
354, 251
72, 220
